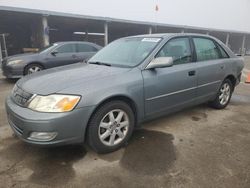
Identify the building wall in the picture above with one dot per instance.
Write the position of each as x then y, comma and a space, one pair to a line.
214, 14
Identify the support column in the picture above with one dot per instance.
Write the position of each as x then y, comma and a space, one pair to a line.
227, 39
106, 40
150, 30
4, 45
1, 56
45, 32
182, 31
207, 33
243, 49
87, 35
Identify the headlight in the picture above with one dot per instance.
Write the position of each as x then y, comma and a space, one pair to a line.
54, 103
14, 62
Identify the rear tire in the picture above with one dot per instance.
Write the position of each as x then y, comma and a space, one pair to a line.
32, 68
223, 96
110, 127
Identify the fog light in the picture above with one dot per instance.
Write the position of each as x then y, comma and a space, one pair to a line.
42, 136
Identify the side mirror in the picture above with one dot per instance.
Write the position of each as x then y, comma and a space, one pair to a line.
54, 52
160, 62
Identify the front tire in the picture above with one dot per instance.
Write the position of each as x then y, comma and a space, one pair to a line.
110, 127
32, 68
224, 95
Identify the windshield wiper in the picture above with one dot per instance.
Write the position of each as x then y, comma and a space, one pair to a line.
100, 63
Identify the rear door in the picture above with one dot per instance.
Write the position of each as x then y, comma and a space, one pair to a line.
85, 51
170, 88
65, 54
211, 59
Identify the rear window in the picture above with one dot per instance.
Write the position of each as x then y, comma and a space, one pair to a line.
85, 48
206, 49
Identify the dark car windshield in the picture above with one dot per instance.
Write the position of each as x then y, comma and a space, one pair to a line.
126, 52
47, 48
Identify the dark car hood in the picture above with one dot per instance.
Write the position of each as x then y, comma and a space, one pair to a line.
21, 56
24, 57
56, 79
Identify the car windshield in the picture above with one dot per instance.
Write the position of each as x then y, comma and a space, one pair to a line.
126, 52
47, 48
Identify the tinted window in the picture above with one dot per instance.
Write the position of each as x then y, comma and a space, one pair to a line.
206, 49
47, 48
85, 48
67, 48
179, 49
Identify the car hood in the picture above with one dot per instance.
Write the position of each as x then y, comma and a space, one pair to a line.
22, 56
54, 80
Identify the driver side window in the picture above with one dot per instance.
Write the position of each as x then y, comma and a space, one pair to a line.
179, 49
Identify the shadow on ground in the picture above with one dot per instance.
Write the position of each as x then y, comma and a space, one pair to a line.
149, 152
50, 166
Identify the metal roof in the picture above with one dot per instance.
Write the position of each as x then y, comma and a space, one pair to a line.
108, 19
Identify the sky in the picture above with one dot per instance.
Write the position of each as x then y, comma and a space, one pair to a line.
217, 14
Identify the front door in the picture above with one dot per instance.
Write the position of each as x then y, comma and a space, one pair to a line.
171, 88
65, 55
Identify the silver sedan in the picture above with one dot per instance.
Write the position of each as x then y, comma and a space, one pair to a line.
132, 80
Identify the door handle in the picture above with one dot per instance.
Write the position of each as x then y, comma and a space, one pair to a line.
191, 73
222, 66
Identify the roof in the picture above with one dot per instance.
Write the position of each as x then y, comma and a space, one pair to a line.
166, 35
108, 19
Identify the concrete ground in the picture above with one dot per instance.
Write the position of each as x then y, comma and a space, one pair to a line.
198, 147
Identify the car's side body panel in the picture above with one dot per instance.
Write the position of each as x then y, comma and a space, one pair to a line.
128, 85
210, 75
161, 95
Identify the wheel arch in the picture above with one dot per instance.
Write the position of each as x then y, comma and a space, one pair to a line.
33, 62
126, 99
232, 79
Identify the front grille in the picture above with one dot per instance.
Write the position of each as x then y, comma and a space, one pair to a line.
20, 96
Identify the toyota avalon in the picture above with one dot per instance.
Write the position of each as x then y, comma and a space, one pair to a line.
130, 81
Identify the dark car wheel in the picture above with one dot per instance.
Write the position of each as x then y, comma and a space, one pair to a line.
110, 127
32, 68
224, 95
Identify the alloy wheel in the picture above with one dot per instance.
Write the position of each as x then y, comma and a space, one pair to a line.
34, 69
225, 93
113, 127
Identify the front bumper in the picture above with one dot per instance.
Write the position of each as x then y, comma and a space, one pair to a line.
12, 72
70, 126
